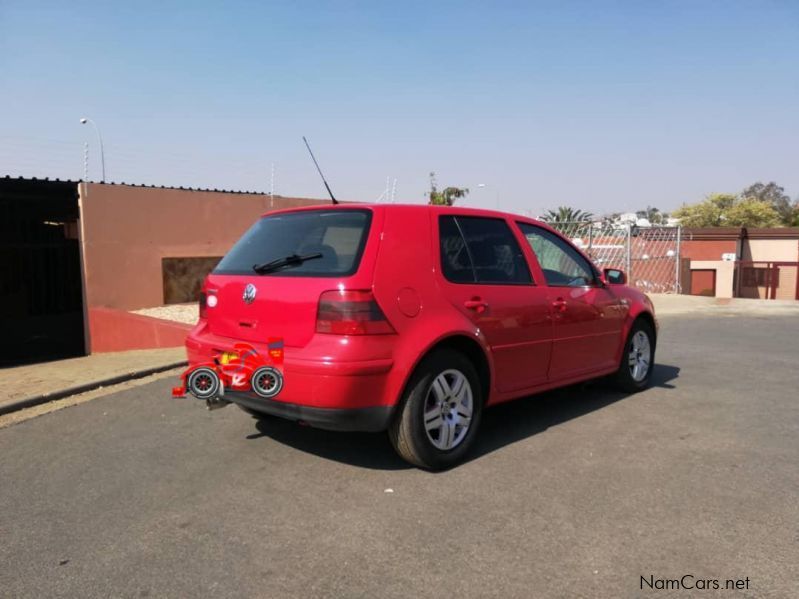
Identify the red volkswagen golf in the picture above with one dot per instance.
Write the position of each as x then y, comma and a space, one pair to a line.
413, 319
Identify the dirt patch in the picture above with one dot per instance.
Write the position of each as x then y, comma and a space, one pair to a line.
185, 313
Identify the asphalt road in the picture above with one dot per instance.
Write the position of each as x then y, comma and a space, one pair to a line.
577, 493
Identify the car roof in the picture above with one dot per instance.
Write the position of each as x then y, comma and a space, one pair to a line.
463, 210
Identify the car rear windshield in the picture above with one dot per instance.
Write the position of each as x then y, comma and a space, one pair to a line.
339, 235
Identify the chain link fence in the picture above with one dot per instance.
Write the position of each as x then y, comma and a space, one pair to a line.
650, 256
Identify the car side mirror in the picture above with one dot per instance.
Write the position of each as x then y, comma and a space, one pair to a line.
614, 276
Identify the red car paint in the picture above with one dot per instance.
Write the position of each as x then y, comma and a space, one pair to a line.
531, 336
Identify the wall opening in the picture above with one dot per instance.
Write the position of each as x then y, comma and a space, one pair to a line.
41, 300
183, 277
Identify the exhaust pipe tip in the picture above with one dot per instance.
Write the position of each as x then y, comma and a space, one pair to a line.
215, 403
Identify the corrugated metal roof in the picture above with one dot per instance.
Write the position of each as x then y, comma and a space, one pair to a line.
142, 185
48, 179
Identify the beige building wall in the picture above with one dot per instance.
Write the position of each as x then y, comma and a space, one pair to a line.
127, 230
786, 290
770, 250
725, 274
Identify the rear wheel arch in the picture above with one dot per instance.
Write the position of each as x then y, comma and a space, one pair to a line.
464, 345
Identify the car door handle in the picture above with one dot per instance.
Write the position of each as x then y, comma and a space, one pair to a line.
477, 304
560, 305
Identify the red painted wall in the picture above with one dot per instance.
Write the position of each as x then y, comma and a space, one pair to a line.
117, 330
707, 249
127, 230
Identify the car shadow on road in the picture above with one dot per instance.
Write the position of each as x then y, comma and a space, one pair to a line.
517, 420
502, 425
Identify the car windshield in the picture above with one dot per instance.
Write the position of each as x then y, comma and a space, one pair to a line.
338, 235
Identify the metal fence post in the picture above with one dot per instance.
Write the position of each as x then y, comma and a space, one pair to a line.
628, 258
678, 265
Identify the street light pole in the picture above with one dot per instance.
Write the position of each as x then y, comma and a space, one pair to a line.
85, 120
482, 186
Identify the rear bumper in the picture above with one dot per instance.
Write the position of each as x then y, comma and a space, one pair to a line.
371, 419
319, 387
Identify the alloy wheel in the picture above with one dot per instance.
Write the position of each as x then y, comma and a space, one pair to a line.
640, 356
448, 410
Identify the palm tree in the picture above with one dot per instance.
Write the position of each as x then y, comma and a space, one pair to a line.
566, 214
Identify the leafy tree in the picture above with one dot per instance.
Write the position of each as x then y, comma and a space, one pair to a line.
447, 196
567, 214
653, 215
794, 220
749, 212
727, 210
610, 219
775, 196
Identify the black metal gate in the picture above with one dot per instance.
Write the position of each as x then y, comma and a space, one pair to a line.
41, 305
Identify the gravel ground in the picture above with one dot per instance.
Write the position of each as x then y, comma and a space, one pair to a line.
186, 313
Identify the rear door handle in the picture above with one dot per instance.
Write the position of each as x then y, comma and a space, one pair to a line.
559, 305
477, 304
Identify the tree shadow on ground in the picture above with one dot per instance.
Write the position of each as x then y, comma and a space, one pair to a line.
502, 425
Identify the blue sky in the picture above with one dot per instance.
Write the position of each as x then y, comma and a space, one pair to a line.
605, 106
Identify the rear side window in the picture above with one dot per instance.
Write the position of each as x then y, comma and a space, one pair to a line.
339, 235
480, 250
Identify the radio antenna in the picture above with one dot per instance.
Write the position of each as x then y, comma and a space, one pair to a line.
332, 197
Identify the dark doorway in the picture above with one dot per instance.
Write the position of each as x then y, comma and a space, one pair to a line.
41, 300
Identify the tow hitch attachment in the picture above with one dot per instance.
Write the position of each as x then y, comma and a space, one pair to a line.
243, 369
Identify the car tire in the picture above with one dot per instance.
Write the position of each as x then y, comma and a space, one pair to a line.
635, 369
438, 415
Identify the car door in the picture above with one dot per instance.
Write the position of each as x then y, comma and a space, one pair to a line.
587, 314
486, 276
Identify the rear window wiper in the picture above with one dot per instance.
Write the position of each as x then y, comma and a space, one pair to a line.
292, 260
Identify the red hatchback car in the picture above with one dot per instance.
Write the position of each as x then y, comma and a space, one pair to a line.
413, 319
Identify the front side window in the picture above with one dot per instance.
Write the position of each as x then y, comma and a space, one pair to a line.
563, 266
481, 250
338, 235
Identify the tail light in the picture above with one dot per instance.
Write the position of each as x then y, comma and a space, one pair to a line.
203, 305
345, 312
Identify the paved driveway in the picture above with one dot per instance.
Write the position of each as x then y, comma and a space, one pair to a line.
577, 493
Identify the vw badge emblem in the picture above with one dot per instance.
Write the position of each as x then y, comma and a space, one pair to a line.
249, 293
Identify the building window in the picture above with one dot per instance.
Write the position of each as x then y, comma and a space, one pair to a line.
759, 277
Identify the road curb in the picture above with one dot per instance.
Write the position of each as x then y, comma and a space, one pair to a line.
36, 400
